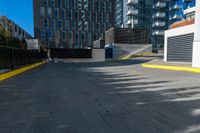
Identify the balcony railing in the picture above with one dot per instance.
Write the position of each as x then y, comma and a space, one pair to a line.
132, 2
158, 33
160, 4
135, 21
177, 7
159, 24
132, 12
159, 15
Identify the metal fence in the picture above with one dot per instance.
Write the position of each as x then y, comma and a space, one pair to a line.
70, 53
11, 58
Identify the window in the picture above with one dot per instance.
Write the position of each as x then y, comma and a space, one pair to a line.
98, 27
71, 41
54, 24
73, 4
67, 24
107, 17
95, 16
50, 34
89, 16
77, 38
101, 17
46, 2
76, 15
42, 35
83, 37
46, 23
42, 12
59, 3
60, 24
64, 35
110, 7
53, 3
79, 4
89, 39
49, 12
56, 13
67, 3
70, 14
63, 13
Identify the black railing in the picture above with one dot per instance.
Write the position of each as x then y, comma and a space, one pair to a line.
11, 58
71, 53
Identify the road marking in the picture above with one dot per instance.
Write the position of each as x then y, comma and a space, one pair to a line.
174, 68
19, 71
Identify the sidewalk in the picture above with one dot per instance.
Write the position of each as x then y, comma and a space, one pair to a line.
175, 66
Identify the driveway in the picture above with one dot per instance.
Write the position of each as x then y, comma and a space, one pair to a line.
111, 97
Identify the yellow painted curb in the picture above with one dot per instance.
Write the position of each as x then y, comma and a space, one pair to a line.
134, 56
174, 68
19, 71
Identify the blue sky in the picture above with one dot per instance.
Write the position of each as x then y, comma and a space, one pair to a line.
20, 11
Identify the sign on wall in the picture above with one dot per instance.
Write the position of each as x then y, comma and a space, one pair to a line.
32, 44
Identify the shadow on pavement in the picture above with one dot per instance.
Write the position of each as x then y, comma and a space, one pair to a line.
96, 98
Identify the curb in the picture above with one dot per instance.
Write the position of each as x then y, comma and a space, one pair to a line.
134, 56
173, 68
19, 71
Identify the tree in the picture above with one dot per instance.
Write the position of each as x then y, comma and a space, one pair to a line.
6, 39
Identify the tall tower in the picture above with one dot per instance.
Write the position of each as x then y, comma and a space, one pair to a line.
160, 22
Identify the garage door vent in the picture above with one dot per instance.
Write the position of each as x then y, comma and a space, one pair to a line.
179, 48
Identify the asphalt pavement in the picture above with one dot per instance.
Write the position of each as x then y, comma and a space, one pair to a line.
110, 97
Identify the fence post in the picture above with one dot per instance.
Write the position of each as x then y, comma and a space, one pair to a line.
11, 59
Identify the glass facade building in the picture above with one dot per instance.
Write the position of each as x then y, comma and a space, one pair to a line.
133, 14
160, 13
180, 10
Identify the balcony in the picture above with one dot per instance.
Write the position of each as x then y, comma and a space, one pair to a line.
189, 10
159, 15
159, 24
177, 7
132, 2
160, 5
132, 12
158, 33
176, 16
135, 21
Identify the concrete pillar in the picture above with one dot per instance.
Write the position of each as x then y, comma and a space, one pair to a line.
196, 44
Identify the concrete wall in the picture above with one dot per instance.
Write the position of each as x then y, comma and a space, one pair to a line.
120, 50
98, 55
196, 45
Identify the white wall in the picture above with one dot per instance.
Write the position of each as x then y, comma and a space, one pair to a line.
176, 32
98, 55
196, 45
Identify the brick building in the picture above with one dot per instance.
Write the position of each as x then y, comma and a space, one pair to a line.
72, 23
14, 29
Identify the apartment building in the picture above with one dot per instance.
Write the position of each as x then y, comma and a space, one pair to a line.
72, 23
180, 10
133, 13
15, 30
182, 37
160, 13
